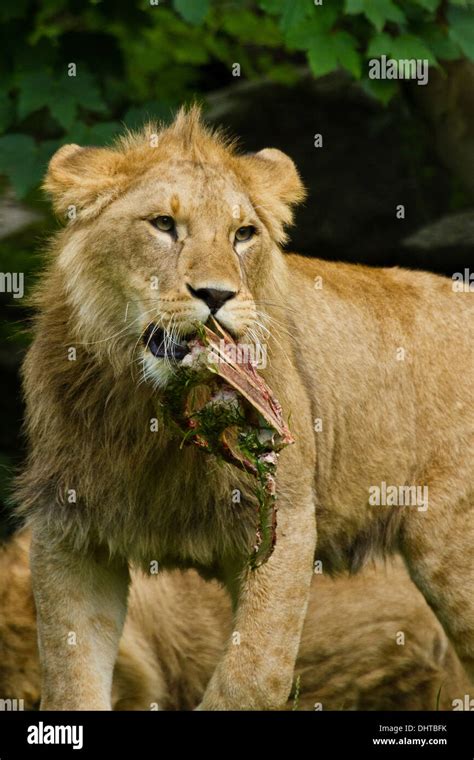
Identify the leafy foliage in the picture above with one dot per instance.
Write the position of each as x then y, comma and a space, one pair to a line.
77, 70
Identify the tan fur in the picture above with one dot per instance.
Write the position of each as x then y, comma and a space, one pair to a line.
99, 483
177, 625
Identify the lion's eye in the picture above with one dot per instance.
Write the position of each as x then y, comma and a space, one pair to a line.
164, 223
244, 233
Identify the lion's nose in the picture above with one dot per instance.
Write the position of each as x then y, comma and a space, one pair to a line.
213, 297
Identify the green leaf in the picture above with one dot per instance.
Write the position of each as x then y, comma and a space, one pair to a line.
322, 56
302, 37
443, 47
346, 52
461, 29
293, 13
7, 111
270, 6
46, 149
407, 46
382, 90
328, 51
244, 24
194, 53
69, 93
193, 11
61, 94
378, 12
429, 5
98, 134
354, 6
284, 73
20, 161
380, 44
64, 109
137, 116
35, 91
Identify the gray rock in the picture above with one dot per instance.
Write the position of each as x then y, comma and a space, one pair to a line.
14, 215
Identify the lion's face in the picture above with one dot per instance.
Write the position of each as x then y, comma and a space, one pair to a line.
188, 244
175, 240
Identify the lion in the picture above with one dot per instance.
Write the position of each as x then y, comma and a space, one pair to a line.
373, 367
369, 642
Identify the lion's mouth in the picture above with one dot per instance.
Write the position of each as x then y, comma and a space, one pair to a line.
163, 345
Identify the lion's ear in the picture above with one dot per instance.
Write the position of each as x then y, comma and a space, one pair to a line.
282, 173
274, 185
83, 180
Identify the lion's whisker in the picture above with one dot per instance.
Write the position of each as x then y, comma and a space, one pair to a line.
275, 339
115, 335
274, 303
279, 326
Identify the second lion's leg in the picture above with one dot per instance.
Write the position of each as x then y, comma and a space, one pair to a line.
81, 605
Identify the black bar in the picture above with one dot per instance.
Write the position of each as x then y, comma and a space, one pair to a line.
319, 734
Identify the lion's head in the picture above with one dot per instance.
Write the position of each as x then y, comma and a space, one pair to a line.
166, 228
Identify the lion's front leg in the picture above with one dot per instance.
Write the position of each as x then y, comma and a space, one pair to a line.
81, 606
256, 672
